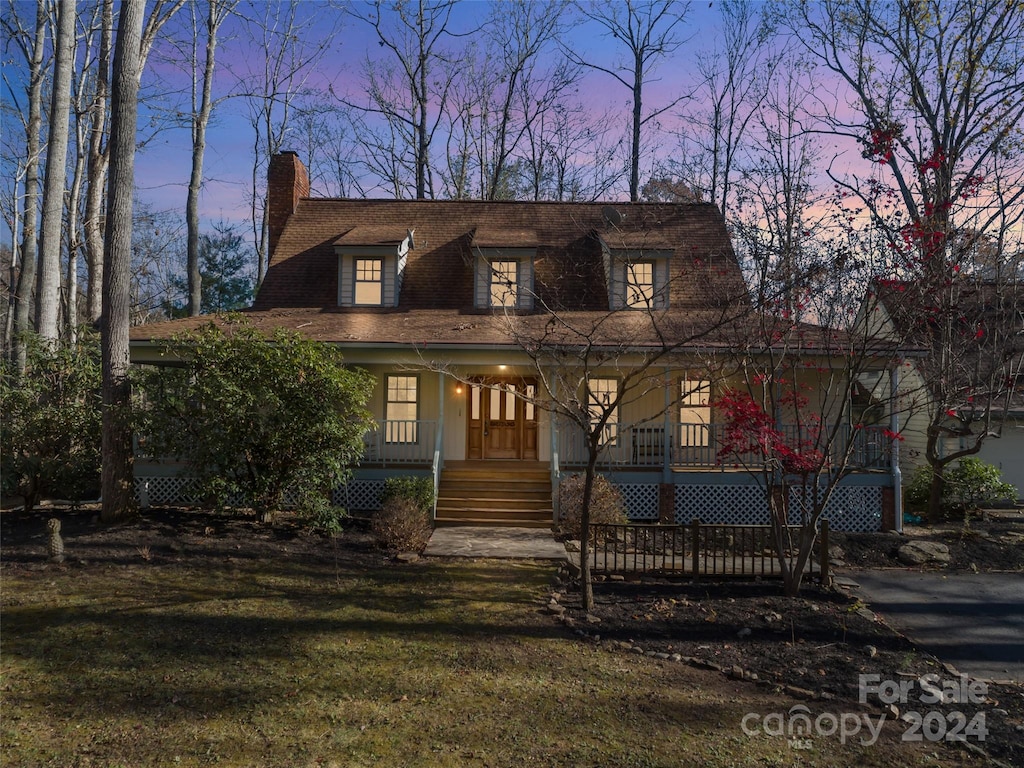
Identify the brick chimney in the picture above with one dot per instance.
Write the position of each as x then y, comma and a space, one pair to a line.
287, 181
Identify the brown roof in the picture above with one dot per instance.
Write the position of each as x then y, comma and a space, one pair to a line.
300, 291
569, 272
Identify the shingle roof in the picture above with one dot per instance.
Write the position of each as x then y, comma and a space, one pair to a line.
436, 304
568, 270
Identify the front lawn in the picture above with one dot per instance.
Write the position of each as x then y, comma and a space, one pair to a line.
308, 652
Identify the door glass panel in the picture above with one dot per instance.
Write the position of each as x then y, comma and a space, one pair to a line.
474, 402
510, 403
495, 401
531, 391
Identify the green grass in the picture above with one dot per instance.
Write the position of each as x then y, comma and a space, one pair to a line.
282, 663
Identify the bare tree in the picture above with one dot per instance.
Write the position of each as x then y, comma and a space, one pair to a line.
939, 103
650, 30
202, 107
409, 91
295, 43
96, 166
117, 475
734, 79
48, 307
33, 53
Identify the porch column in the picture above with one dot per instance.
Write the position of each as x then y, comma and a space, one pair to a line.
894, 459
553, 435
666, 469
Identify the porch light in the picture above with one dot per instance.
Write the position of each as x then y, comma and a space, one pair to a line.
458, 389
502, 367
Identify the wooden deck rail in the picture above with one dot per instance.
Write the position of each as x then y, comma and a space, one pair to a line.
696, 550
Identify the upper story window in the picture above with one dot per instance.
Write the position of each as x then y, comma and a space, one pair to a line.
369, 284
504, 278
504, 283
640, 284
371, 265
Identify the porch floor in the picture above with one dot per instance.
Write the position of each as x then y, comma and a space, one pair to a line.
494, 542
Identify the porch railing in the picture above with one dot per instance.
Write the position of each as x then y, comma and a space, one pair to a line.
696, 446
698, 550
405, 441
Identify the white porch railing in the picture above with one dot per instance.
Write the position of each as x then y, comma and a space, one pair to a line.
696, 446
406, 441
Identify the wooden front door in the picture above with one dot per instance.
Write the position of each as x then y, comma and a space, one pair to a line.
502, 419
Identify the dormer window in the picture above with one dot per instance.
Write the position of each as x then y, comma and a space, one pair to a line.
371, 264
640, 284
504, 283
369, 286
504, 278
636, 266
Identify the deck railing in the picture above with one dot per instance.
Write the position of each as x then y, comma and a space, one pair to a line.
697, 550
405, 441
696, 446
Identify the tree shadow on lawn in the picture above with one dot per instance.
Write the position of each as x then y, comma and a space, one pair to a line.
103, 626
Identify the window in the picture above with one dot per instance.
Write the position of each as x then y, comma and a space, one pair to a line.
640, 284
600, 395
400, 409
503, 283
369, 287
694, 413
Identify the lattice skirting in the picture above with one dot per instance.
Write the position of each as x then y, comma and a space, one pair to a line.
359, 495
851, 508
166, 490
641, 500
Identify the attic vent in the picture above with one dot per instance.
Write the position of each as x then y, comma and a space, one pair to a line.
612, 215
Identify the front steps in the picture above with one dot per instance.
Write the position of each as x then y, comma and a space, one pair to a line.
495, 493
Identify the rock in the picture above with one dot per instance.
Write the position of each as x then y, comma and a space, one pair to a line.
592, 619
676, 657
919, 552
555, 609
407, 557
616, 577
556, 596
865, 613
871, 651
737, 672
572, 546
660, 655
835, 552
636, 649
773, 617
745, 632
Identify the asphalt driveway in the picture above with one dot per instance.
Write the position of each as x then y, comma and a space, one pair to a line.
974, 621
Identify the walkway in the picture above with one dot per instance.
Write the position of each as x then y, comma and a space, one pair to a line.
973, 621
494, 542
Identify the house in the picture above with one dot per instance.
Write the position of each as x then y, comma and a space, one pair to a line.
973, 390
471, 313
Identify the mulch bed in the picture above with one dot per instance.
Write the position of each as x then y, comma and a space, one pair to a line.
814, 646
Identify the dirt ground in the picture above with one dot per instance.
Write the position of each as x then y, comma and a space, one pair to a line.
815, 647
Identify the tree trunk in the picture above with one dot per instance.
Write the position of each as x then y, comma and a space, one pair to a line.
935, 490
638, 92
29, 255
48, 308
117, 475
586, 582
201, 121
97, 170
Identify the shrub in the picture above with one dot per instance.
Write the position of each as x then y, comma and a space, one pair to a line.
401, 525
419, 490
606, 505
970, 484
255, 417
319, 515
50, 428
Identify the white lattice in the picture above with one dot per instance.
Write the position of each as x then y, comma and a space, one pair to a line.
852, 508
641, 500
360, 495
732, 504
165, 490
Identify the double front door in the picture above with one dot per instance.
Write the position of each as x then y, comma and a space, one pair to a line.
502, 419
